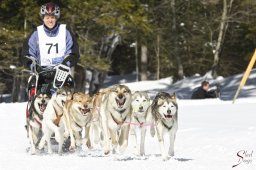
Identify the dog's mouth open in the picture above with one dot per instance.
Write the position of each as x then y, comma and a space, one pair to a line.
120, 102
63, 102
84, 111
42, 107
168, 116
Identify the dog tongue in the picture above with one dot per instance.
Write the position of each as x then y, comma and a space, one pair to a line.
85, 110
120, 101
42, 107
168, 116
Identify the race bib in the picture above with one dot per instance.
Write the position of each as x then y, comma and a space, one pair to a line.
52, 49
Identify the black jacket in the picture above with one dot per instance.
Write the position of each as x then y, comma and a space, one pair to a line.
200, 93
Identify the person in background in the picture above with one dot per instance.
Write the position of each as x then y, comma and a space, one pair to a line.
203, 92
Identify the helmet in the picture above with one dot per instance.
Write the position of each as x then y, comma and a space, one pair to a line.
50, 9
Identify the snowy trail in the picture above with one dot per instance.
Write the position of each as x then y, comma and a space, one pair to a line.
210, 134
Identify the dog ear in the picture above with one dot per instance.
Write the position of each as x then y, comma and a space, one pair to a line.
73, 95
134, 94
173, 96
160, 101
146, 95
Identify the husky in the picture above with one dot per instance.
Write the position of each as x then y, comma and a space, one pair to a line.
53, 119
96, 128
77, 114
140, 104
34, 119
115, 111
164, 110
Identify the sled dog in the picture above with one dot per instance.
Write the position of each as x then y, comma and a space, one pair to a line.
96, 135
164, 110
115, 111
53, 119
139, 123
77, 114
34, 119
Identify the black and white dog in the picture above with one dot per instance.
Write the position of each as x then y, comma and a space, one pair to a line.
164, 110
34, 119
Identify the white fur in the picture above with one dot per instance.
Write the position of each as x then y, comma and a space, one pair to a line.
48, 125
165, 108
115, 134
140, 104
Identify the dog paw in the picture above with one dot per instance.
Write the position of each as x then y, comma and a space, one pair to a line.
165, 158
60, 153
142, 154
32, 151
78, 142
66, 135
41, 146
136, 153
122, 149
50, 152
171, 153
72, 148
106, 152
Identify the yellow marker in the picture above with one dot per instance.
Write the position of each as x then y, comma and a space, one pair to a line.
246, 75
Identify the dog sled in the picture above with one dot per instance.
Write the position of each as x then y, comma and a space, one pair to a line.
47, 80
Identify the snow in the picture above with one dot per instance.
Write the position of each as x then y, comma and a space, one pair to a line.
211, 133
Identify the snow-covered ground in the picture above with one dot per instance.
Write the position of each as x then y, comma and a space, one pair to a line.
211, 133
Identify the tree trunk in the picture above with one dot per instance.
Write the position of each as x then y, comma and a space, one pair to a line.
25, 27
221, 36
144, 62
174, 29
137, 60
158, 56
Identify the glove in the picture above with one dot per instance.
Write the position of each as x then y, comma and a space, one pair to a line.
67, 61
36, 67
70, 60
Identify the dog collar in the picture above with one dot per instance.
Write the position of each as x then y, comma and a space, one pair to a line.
167, 127
159, 117
141, 123
120, 111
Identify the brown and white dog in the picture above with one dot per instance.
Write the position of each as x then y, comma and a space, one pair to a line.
164, 111
77, 114
114, 112
53, 119
34, 119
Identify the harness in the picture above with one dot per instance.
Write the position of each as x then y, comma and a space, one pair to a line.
120, 111
81, 127
58, 117
159, 118
39, 122
35, 115
118, 122
167, 127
